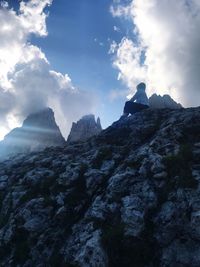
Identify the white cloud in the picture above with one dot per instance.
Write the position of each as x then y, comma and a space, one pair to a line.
116, 29
33, 17
115, 94
128, 57
15, 30
27, 82
118, 10
166, 53
113, 47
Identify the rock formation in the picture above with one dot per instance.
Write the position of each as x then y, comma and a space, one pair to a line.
127, 197
165, 101
39, 130
85, 128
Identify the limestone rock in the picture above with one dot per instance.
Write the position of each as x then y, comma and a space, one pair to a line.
129, 196
39, 130
85, 128
165, 101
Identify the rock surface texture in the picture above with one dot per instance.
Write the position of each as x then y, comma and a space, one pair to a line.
127, 197
39, 130
85, 128
165, 101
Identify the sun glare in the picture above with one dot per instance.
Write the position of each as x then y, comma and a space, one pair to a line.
3, 132
12, 121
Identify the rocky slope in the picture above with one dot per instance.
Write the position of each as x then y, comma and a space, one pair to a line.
85, 128
39, 130
165, 101
128, 197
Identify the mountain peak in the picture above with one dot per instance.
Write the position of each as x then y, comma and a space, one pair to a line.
42, 118
38, 131
85, 128
165, 101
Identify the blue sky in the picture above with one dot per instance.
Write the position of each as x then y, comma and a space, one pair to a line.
80, 33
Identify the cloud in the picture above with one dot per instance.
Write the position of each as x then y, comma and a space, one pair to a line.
33, 17
98, 42
127, 60
166, 49
27, 82
115, 94
15, 30
119, 10
116, 29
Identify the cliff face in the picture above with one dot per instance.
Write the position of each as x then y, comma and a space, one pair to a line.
128, 197
39, 130
85, 128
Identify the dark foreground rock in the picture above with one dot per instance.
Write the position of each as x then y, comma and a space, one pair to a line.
128, 197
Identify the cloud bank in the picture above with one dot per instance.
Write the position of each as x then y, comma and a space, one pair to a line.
165, 50
27, 82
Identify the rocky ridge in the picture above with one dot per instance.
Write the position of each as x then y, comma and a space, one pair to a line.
85, 128
165, 101
39, 130
127, 197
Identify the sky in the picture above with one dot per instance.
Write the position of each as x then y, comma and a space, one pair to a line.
87, 56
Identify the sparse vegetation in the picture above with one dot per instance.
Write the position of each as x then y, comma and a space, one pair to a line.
104, 153
124, 250
22, 249
83, 169
1, 199
179, 168
4, 217
56, 259
30, 194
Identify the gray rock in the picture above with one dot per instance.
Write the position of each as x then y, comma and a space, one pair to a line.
3, 182
97, 210
160, 175
132, 214
129, 196
165, 101
39, 130
84, 247
36, 176
85, 128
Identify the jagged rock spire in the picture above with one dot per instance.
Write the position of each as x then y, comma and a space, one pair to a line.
165, 101
85, 128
